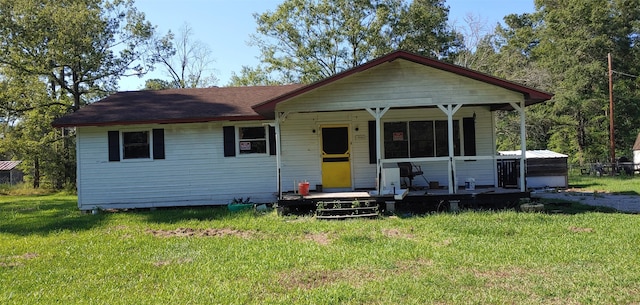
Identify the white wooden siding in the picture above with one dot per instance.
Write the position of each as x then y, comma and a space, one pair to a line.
194, 171
399, 84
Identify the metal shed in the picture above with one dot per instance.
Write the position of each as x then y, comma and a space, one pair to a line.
545, 168
9, 172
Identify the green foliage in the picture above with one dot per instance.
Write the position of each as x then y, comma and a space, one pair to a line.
55, 57
563, 47
307, 40
79, 47
52, 253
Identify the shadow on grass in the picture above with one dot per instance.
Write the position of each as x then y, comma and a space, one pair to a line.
201, 213
555, 206
44, 215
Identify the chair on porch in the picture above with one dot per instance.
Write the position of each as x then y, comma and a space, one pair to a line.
409, 170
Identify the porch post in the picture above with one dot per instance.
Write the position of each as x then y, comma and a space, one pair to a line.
377, 114
523, 144
450, 110
278, 155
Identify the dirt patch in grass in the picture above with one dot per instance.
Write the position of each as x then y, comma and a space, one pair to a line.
320, 238
190, 232
413, 265
311, 279
355, 277
17, 260
395, 233
581, 230
173, 261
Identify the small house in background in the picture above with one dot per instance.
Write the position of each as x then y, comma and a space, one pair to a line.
636, 154
9, 172
545, 168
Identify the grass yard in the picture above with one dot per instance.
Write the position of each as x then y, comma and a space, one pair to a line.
624, 185
50, 253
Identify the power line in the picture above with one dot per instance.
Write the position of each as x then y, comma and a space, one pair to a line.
625, 74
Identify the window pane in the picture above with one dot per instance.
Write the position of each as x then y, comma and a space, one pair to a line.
442, 138
135, 145
396, 141
335, 140
252, 140
252, 133
421, 133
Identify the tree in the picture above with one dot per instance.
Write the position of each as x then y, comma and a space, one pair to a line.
562, 48
574, 43
306, 40
185, 60
423, 28
82, 47
253, 77
27, 134
56, 56
157, 84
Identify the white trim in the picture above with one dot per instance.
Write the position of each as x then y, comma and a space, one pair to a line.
121, 144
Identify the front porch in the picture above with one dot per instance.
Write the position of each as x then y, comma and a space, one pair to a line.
413, 202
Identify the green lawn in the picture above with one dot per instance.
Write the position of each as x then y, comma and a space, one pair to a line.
628, 185
50, 253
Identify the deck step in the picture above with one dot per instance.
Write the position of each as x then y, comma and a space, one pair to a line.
371, 215
346, 209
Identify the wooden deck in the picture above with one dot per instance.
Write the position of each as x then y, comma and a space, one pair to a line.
414, 201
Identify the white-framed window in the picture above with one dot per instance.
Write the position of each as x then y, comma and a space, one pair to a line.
252, 140
136, 144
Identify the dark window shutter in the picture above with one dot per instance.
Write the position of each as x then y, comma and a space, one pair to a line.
229, 141
114, 145
372, 143
469, 130
158, 143
272, 140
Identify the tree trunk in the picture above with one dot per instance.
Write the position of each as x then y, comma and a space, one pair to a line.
36, 173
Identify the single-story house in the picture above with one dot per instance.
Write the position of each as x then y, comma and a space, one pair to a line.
545, 168
207, 146
10, 173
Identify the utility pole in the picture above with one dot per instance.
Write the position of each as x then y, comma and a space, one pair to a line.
612, 145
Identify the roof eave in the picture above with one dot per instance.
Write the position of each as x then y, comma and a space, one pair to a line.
163, 121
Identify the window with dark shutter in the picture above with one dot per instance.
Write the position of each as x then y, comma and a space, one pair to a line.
229, 133
272, 140
158, 143
469, 130
373, 158
114, 146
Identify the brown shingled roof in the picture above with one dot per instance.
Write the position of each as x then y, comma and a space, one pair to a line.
636, 146
174, 106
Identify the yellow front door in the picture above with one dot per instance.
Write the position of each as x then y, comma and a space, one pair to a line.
336, 157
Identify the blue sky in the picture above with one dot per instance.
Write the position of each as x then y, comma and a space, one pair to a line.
225, 26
